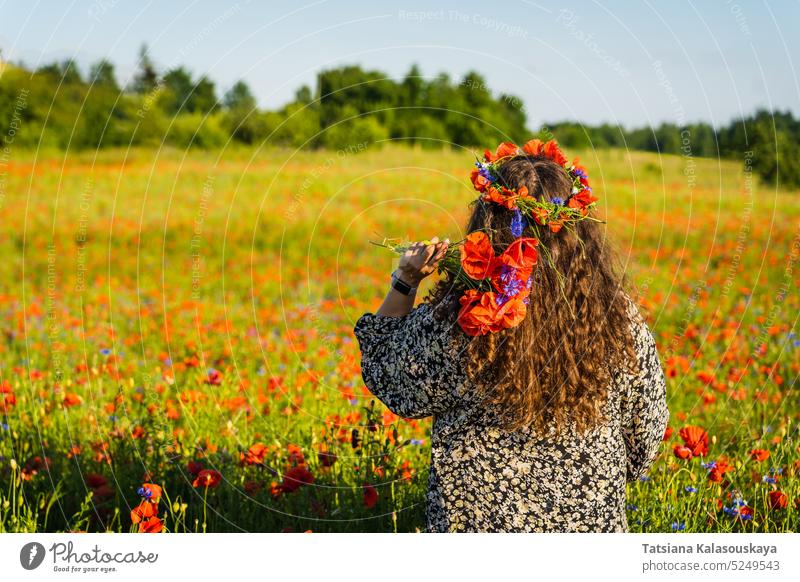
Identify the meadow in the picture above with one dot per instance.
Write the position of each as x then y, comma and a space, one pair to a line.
184, 320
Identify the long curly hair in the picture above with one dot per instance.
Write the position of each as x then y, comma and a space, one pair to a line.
555, 367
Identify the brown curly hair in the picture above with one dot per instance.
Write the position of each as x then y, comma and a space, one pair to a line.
555, 367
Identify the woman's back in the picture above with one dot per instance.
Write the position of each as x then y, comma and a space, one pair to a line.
484, 477
543, 379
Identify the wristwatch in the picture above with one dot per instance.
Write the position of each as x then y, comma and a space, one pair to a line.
401, 286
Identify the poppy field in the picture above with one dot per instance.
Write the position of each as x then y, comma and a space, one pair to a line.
177, 351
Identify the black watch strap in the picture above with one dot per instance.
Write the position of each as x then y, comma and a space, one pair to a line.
402, 286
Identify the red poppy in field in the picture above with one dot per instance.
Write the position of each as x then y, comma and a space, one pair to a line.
326, 457
71, 399
667, 433
255, 454
207, 478
778, 500
213, 377
759, 455
696, 439
370, 496
5, 387
93, 480
143, 511
102, 492
682, 452
151, 525
717, 472
295, 478
194, 467
477, 255
151, 492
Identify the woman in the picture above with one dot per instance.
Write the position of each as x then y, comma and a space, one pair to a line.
547, 396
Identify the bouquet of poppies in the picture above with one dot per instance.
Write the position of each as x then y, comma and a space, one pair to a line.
496, 288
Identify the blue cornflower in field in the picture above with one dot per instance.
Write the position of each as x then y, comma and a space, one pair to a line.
778, 470
709, 465
644, 478
4, 426
105, 352
690, 489
768, 479
353, 401
417, 442
144, 492
168, 362
678, 526
796, 343
632, 507
557, 201
517, 223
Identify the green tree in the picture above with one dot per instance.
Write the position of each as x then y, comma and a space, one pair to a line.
146, 78
101, 74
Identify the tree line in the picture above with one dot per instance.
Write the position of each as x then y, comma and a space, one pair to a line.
58, 106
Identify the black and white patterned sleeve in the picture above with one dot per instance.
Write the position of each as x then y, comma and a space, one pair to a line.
644, 406
406, 362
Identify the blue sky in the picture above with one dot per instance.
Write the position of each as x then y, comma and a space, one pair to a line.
634, 63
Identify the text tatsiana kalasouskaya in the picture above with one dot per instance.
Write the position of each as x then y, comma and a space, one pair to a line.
709, 549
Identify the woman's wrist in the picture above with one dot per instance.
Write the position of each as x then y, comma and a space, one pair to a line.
402, 284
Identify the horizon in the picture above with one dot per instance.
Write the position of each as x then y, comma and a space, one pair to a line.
621, 63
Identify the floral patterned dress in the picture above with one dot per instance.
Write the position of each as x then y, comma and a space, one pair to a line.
484, 478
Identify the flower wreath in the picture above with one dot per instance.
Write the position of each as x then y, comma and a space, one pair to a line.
497, 287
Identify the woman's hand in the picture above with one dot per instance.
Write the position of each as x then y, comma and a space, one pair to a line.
420, 260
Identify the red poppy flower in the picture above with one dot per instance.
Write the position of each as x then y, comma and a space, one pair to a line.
151, 525
552, 151
479, 182
759, 455
143, 511
696, 439
370, 496
778, 500
208, 478
477, 255
582, 199
154, 490
93, 480
503, 196
717, 472
521, 255
71, 399
667, 433
476, 315
255, 454
682, 452
295, 478
504, 150
534, 147
326, 458
509, 315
